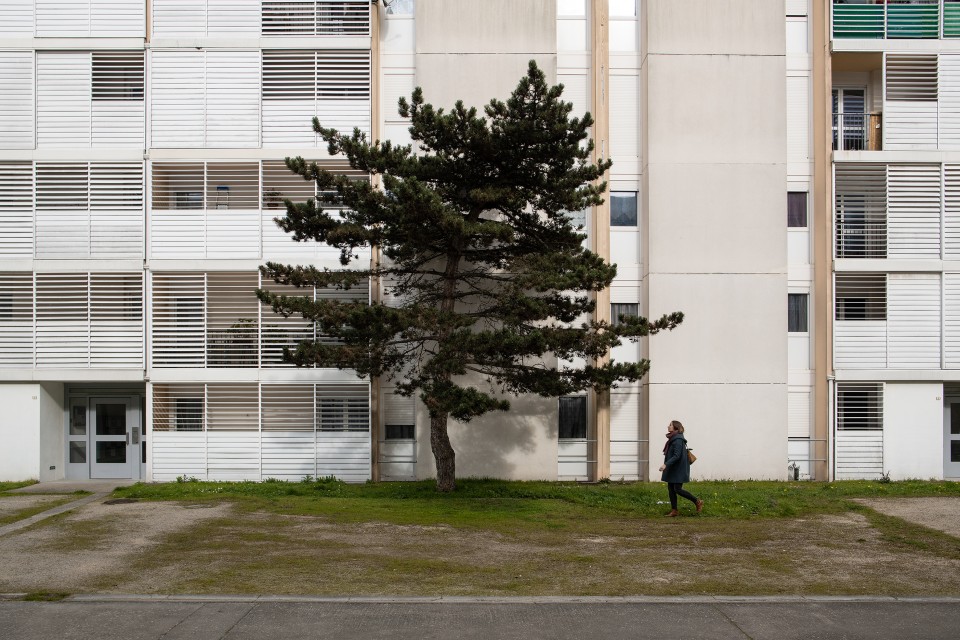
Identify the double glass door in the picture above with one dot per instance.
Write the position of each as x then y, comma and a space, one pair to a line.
951, 440
104, 436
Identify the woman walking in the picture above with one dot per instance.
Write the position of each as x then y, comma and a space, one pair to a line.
676, 468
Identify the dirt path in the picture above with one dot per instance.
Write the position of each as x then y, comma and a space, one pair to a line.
10, 505
942, 514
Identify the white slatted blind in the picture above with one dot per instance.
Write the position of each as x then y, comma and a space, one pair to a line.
910, 115
798, 413
398, 456
63, 99
232, 321
233, 17
62, 18
233, 99
16, 99
178, 320
949, 101
913, 223
90, 18
627, 447
118, 18
861, 210
316, 17
624, 116
117, 105
913, 323
16, 209
232, 210
16, 319
116, 210
859, 437
177, 99
116, 320
16, 18
860, 330
951, 320
951, 198
279, 332
173, 18
796, 7
798, 118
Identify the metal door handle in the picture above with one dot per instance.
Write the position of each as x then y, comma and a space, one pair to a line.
128, 437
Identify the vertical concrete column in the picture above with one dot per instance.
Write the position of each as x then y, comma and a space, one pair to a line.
822, 238
600, 57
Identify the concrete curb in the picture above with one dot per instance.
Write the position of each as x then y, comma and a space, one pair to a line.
43, 515
93, 598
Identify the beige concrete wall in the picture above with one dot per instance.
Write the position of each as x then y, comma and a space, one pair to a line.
714, 229
475, 51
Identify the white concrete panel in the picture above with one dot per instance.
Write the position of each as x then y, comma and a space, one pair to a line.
798, 350
51, 418
913, 430
19, 432
624, 247
753, 27
476, 78
492, 26
624, 36
738, 431
733, 332
798, 246
797, 35
397, 36
572, 35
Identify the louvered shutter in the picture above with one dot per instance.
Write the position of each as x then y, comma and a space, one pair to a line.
798, 413
16, 319
343, 431
16, 209
179, 17
232, 319
233, 438
177, 102
913, 218
63, 320
233, 99
17, 18
398, 455
343, 90
116, 320
117, 18
233, 17
288, 440
232, 210
627, 448
117, 99
861, 210
62, 210
913, 325
949, 101
289, 98
16, 99
278, 332
279, 184
951, 198
858, 441
910, 115
860, 328
316, 17
625, 117
397, 84
63, 99
951, 320
798, 118
116, 210
178, 320
177, 221
62, 18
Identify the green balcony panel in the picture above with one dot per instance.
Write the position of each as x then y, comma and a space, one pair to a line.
913, 20
857, 21
951, 20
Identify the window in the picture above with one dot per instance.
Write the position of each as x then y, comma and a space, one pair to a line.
189, 414
797, 312
399, 432
315, 17
859, 406
623, 208
117, 76
618, 309
306, 75
573, 417
797, 209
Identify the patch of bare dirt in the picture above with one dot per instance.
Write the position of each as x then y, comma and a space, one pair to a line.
10, 505
79, 550
942, 514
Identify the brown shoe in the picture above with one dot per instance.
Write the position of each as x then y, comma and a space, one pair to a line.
673, 513
699, 506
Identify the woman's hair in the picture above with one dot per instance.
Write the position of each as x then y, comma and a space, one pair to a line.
676, 426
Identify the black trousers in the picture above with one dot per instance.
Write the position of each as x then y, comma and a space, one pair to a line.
676, 489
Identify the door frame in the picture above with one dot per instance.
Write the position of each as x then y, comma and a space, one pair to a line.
951, 470
79, 406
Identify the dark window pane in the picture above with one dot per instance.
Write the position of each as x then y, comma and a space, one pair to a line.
955, 451
399, 432
797, 312
618, 309
573, 417
78, 420
111, 419
955, 419
189, 416
111, 452
78, 452
797, 209
623, 208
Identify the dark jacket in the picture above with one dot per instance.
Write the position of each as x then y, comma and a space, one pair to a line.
678, 467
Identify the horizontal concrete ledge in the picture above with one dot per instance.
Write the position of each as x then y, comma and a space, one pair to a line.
785, 599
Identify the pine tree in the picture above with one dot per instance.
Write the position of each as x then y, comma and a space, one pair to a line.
477, 245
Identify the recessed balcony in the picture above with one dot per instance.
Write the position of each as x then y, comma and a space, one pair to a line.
896, 19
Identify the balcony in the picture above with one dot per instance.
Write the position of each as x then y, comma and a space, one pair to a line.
896, 19
857, 131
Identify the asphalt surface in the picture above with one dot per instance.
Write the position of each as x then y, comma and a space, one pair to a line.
173, 618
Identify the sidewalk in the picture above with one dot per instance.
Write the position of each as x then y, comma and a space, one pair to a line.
172, 618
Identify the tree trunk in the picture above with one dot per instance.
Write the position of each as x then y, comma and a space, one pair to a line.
443, 453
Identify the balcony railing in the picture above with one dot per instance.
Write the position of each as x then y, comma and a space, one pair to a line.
904, 19
857, 131
859, 237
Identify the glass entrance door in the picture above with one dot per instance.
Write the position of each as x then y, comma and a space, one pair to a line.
951, 441
115, 427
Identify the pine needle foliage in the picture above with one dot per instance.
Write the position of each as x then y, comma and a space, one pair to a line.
488, 275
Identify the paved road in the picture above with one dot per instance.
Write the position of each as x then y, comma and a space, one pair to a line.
527, 619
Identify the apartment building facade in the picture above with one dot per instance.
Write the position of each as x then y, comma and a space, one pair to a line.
141, 167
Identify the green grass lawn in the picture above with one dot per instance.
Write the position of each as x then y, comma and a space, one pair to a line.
7, 486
